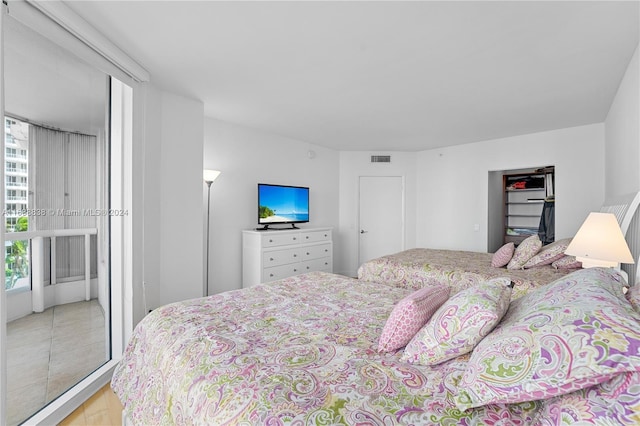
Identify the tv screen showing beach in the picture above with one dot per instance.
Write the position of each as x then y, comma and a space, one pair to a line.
282, 204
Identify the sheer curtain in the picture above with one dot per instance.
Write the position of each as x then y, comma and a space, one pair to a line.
63, 180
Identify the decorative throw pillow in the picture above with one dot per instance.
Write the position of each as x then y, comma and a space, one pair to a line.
633, 296
503, 255
567, 262
573, 333
460, 323
528, 248
409, 315
548, 254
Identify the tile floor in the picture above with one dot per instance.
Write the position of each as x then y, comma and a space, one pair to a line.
49, 352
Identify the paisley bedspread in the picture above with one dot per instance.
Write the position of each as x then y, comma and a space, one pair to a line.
300, 351
420, 267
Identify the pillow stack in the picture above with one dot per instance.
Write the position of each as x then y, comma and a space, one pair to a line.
572, 334
460, 323
531, 254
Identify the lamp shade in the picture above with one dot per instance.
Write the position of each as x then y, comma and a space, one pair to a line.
210, 175
599, 242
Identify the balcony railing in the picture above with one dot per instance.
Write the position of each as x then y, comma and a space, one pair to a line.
36, 243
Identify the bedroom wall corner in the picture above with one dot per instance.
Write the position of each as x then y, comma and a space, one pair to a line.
622, 135
152, 201
173, 237
247, 156
453, 183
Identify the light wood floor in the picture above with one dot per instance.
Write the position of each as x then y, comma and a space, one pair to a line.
102, 409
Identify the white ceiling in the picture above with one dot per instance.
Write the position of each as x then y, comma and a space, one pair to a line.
382, 75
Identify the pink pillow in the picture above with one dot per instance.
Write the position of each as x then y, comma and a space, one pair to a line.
409, 315
548, 254
503, 255
528, 248
567, 262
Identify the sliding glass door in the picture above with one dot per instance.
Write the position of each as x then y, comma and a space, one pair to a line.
57, 236
67, 221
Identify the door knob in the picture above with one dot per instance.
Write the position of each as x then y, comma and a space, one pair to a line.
362, 231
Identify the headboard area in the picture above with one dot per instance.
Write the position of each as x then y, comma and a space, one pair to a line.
625, 208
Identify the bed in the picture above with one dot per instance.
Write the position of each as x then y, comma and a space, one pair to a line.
305, 350
467, 347
419, 267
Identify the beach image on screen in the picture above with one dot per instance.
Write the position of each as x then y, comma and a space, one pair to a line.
283, 204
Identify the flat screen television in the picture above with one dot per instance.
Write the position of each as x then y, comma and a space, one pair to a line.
282, 204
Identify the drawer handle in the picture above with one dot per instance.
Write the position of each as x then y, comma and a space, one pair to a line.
294, 238
295, 270
270, 275
326, 250
326, 263
295, 255
307, 237
270, 241
307, 267
271, 259
307, 253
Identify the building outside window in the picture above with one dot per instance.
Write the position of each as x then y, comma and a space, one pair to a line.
17, 253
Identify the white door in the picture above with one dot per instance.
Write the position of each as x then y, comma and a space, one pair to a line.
381, 216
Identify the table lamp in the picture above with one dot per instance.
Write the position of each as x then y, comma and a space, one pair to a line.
599, 242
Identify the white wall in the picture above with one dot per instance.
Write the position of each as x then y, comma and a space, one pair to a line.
246, 157
446, 193
453, 183
354, 164
152, 201
173, 203
622, 133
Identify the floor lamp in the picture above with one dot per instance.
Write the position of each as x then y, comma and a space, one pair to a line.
209, 176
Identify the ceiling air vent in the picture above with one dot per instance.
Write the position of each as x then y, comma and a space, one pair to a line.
380, 158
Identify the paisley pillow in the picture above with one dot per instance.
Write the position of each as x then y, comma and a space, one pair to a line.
528, 248
573, 333
504, 254
548, 254
567, 262
409, 315
460, 323
633, 296
614, 402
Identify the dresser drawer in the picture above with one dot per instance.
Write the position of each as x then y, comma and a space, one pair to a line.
281, 257
276, 254
316, 251
283, 271
325, 265
315, 236
275, 239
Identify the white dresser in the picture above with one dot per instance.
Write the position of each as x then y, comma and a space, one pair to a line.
271, 255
